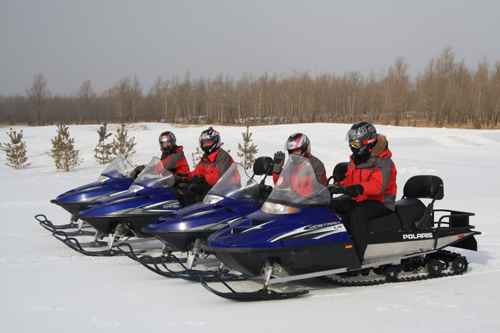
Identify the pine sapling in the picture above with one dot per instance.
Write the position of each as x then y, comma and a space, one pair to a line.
63, 150
247, 150
103, 149
197, 155
122, 144
15, 150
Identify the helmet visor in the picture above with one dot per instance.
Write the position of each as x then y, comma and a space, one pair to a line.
207, 143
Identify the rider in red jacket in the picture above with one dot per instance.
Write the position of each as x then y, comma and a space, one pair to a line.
172, 155
370, 183
298, 144
213, 164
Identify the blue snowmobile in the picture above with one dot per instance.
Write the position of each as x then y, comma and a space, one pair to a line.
295, 236
120, 217
114, 180
232, 198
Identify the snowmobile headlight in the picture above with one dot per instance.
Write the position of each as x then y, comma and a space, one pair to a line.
211, 199
135, 188
276, 208
102, 179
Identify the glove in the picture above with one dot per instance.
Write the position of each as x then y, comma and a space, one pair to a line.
138, 169
293, 195
354, 191
279, 160
199, 179
180, 179
333, 189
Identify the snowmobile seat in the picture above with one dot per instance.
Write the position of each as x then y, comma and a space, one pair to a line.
339, 171
410, 212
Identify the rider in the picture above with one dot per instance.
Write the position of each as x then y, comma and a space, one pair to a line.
298, 144
172, 155
214, 162
370, 183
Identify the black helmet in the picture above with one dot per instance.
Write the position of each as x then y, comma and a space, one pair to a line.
296, 141
167, 137
362, 137
212, 136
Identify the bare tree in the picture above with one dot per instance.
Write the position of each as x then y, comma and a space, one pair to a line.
119, 96
135, 97
39, 94
85, 97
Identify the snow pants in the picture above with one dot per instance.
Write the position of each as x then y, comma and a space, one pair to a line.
355, 216
194, 193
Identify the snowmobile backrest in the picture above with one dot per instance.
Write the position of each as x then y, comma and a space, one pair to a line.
339, 171
263, 166
430, 187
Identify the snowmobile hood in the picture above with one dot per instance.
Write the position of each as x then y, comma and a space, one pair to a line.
263, 230
145, 201
201, 214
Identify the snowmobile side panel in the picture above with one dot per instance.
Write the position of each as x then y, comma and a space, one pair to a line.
295, 260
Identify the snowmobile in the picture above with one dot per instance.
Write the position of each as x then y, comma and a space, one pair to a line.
114, 180
232, 198
295, 237
124, 216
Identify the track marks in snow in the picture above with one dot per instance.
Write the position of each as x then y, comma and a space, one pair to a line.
22, 204
46, 308
462, 140
190, 323
102, 322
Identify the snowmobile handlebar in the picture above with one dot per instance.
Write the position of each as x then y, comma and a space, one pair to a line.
336, 189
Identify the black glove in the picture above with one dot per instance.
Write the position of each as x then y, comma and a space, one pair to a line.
199, 179
138, 169
279, 160
354, 191
180, 179
333, 189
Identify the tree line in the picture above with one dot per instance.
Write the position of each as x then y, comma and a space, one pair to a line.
447, 93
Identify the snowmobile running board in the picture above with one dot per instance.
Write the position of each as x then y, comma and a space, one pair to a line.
277, 279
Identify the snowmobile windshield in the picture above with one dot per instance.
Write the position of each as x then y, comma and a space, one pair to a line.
119, 168
155, 175
236, 184
297, 187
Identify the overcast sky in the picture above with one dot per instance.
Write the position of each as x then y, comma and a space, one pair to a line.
69, 41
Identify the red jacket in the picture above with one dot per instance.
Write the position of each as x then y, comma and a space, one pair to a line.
303, 185
213, 166
176, 162
377, 175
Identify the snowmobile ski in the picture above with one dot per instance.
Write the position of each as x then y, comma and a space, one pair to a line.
263, 294
84, 248
48, 225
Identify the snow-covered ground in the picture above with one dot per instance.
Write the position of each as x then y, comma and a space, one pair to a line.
47, 287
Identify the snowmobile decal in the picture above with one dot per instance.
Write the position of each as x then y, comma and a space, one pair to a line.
316, 231
168, 204
418, 236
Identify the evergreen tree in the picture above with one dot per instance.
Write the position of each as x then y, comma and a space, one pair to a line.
122, 144
197, 155
15, 150
63, 149
103, 149
248, 150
